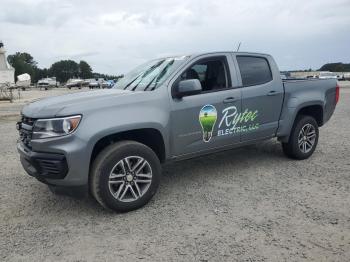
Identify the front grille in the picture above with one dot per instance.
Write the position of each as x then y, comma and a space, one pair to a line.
25, 128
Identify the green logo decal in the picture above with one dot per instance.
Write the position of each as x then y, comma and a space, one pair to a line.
207, 119
233, 122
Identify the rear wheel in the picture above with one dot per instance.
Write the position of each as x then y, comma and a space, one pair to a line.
125, 176
303, 138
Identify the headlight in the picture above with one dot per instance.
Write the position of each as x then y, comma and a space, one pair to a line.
45, 128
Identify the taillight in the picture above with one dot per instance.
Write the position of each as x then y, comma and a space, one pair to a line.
336, 94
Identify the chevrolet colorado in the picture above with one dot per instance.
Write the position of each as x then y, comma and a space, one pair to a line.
112, 142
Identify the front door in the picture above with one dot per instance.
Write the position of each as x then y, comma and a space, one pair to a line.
203, 121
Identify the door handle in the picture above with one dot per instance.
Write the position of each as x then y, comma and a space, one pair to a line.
272, 93
229, 100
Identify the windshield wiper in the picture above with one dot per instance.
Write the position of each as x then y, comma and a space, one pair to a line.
141, 74
150, 70
131, 82
161, 74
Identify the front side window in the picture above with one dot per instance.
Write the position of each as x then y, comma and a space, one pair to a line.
254, 70
212, 74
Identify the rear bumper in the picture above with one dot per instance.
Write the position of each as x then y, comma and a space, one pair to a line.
43, 165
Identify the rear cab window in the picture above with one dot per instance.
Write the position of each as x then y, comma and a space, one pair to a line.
254, 70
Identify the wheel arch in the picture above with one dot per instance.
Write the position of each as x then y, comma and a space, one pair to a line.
315, 110
150, 137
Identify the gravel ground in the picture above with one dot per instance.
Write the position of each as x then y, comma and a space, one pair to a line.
8, 109
248, 204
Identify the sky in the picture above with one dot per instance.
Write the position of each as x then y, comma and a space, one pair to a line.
115, 36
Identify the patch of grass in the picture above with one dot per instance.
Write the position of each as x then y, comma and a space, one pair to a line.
207, 122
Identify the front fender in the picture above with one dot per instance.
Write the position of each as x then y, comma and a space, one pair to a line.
99, 124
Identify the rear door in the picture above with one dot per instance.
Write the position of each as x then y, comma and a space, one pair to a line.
198, 122
262, 96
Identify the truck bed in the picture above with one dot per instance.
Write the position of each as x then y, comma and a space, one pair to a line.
317, 91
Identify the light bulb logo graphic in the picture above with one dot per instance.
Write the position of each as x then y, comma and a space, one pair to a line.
207, 119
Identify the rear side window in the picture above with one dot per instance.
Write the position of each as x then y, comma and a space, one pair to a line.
254, 70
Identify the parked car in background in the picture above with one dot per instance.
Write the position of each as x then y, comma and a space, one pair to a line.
100, 83
327, 75
110, 83
47, 83
94, 84
311, 76
75, 82
103, 83
86, 82
346, 76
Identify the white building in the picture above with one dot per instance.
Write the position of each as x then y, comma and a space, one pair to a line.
7, 73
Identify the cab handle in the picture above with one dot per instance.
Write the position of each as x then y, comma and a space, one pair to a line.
272, 93
229, 100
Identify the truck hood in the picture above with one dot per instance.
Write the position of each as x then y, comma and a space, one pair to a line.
75, 103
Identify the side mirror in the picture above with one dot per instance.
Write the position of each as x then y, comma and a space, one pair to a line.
187, 88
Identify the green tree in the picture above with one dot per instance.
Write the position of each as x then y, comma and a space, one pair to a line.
85, 70
40, 73
23, 63
336, 67
64, 70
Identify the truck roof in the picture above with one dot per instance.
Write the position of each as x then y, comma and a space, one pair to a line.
233, 52
218, 52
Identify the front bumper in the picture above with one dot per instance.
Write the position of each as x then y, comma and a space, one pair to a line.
52, 169
43, 166
67, 156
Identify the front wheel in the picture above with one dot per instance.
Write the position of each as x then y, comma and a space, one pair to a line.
125, 176
303, 138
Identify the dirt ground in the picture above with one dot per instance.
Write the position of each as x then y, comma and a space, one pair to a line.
8, 109
248, 204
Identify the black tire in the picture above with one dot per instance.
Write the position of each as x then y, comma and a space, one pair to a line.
106, 162
292, 149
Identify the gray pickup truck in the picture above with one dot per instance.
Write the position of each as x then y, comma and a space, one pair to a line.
112, 143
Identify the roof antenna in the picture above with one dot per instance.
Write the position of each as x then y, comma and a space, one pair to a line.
239, 45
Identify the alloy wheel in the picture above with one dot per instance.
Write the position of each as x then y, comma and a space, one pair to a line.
130, 179
306, 138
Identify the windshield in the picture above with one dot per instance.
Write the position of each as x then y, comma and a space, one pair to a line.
150, 75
